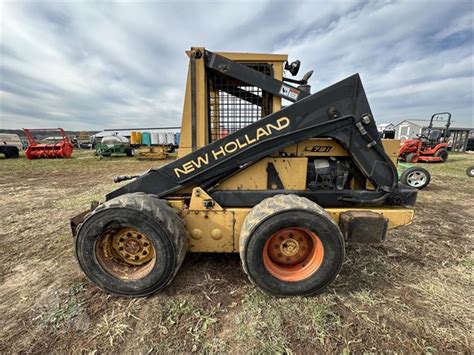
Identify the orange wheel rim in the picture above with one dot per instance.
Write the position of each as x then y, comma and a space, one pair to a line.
293, 254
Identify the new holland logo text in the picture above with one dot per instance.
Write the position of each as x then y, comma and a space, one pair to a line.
232, 146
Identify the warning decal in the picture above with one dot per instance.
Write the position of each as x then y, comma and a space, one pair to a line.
289, 92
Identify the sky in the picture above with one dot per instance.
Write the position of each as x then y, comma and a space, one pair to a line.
89, 66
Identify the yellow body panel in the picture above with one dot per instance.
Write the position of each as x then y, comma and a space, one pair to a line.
292, 173
217, 229
201, 226
210, 231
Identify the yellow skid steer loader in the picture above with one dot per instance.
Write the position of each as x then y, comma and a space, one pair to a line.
286, 187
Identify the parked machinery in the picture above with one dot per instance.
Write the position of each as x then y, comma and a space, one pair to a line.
430, 146
10, 145
62, 148
114, 144
286, 187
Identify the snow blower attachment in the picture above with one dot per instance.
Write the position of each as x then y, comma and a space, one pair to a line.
61, 147
285, 187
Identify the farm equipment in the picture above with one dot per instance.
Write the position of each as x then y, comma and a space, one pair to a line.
10, 145
114, 144
157, 152
430, 146
286, 187
63, 148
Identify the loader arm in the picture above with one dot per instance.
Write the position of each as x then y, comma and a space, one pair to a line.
248, 75
340, 111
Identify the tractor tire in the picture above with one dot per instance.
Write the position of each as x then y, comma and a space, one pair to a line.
12, 153
132, 245
411, 158
416, 177
130, 152
290, 246
442, 154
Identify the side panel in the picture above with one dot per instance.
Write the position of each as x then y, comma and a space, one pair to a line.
210, 231
327, 147
219, 231
291, 171
391, 147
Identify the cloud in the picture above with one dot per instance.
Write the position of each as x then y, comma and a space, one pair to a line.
97, 65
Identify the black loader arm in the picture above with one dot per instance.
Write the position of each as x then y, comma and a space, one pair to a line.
340, 111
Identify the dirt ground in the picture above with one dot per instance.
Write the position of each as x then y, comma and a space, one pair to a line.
411, 294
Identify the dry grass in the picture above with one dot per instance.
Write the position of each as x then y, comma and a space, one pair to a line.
411, 294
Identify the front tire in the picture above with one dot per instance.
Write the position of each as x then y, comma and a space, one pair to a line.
132, 245
290, 246
416, 177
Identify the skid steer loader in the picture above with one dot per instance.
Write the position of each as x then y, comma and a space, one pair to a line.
286, 187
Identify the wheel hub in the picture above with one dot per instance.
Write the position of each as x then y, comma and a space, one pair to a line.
289, 247
132, 246
292, 254
417, 178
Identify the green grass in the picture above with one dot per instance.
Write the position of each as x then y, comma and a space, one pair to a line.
65, 310
273, 325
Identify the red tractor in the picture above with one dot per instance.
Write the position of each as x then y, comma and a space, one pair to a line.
429, 146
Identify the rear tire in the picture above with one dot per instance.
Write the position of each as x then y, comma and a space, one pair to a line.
411, 158
442, 154
290, 246
132, 245
416, 177
130, 152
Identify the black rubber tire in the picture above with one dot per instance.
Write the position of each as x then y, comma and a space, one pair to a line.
442, 153
12, 153
405, 177
409, 157
470, 171
282, 211
148, 214
170, 148
130, 152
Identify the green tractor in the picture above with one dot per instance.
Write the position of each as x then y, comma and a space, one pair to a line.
114, 144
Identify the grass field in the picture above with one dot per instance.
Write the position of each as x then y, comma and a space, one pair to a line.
411, 294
